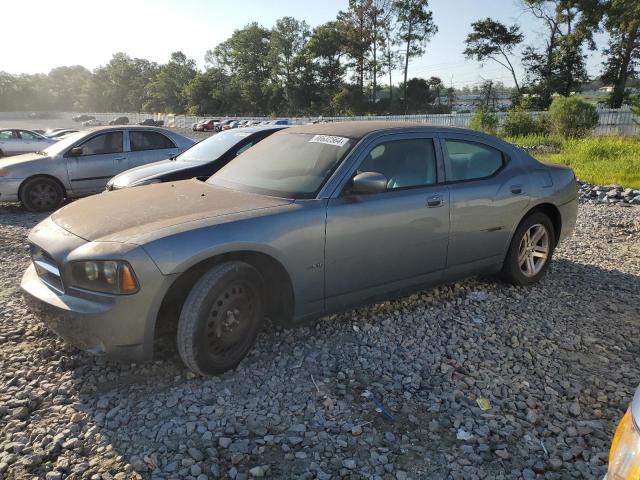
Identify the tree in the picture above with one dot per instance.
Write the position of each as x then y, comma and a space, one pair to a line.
166, 91
560, 66
378, 19
622, 23
288, 39
494, 41
326, 47
357, 36
210, 92
415, 29
245, 57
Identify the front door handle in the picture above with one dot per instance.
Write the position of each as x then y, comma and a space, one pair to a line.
435, 201
516, 189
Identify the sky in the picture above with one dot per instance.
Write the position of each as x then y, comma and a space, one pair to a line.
85, 32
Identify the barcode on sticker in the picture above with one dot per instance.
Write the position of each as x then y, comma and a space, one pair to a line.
329, 140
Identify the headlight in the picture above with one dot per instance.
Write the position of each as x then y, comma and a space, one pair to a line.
107, 276
624, 456
148, 181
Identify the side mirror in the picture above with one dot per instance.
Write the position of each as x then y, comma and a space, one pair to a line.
75, 152
369, 182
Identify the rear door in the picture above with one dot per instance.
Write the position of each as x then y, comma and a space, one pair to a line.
9, 142
32, 142
102, 156
146, 146
488, 196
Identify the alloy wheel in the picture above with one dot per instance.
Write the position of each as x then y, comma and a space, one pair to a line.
533, 251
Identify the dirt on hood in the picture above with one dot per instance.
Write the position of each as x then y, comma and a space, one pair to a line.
123, 214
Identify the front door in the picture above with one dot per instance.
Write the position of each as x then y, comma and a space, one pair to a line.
381, 242
98, 159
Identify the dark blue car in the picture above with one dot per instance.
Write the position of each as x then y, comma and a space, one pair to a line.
201, 160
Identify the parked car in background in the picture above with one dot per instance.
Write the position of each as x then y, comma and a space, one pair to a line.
120, 121
92, 123
208, 125
624, 455
280, 122
231, 125
15, 141
223, 123
83, 118
313, 219
202, 160
82, 163
58, 133
150, 122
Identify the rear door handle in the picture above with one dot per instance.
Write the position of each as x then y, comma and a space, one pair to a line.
516, 189
435, 201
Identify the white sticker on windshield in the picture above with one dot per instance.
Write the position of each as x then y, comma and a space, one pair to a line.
329, 140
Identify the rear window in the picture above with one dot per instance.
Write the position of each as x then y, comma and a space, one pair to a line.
148, 141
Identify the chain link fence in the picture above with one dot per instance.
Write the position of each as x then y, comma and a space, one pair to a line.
611, 121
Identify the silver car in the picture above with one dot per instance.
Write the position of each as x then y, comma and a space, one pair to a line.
15, 141
312, 220
82, 163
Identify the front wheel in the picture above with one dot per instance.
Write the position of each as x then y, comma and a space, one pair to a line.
41, 194
530, 251
221, 318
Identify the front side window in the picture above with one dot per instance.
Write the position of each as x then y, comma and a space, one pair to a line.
471, 160
405, 163
292, 165
103, 144
148, 141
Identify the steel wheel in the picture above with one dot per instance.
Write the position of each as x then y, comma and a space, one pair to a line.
533, 251
41, 194
230, 319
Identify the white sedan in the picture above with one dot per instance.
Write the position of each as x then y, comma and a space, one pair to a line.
15, 141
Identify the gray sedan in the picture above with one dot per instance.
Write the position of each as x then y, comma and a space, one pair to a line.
15, 141
82, 163
312, 220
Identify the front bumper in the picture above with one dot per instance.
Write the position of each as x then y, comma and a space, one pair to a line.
9, 189
119, 326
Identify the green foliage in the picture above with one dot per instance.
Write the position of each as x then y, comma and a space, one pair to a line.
572, 117
484, 120
635, 108
519, 123
597, 160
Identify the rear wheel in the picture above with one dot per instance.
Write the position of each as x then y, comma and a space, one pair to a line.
41, 194
221, 318
530, 251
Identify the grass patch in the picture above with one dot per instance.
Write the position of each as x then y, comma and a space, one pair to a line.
597, 160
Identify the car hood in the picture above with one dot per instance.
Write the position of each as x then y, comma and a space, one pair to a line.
134, 175
122, 215
24, 159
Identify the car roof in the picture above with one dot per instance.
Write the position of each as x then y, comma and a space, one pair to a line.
361, 128
264, 128
129, 127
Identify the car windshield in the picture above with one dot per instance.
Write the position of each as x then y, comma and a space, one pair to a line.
291, 165
212, 148
64, 144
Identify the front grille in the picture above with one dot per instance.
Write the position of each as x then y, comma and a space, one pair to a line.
46, 268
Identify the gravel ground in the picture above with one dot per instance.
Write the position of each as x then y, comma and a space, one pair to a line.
558, 363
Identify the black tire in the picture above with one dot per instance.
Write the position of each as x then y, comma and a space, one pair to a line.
518, 274
41, 194
220, 318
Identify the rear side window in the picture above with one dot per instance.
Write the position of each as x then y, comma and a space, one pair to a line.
471, 160
148, 141
7, 135
103, 144
28, 135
